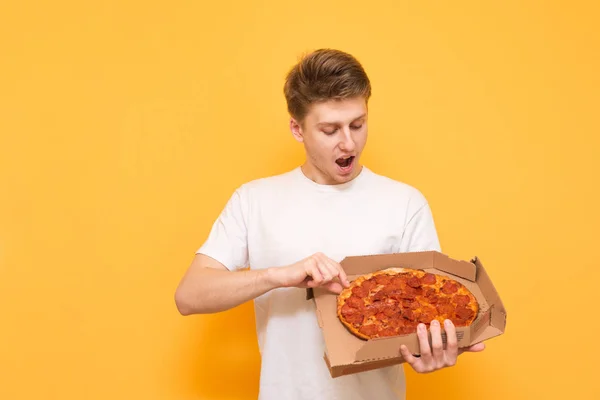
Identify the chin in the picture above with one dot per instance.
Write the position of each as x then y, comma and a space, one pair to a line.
337, 178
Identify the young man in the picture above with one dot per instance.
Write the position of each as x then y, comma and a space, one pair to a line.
293, 229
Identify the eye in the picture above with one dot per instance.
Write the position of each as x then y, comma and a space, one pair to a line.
330, 131
356, 127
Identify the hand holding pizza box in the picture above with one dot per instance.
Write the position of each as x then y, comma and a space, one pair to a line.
317, 270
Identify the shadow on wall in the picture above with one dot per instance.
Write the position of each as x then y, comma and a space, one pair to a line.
222, 350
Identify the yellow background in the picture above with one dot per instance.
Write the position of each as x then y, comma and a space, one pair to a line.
125, 126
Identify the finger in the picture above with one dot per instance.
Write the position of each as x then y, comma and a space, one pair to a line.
451, 341
325, 272
408, 357
333, 270
472, 349
334, 287
321, 263
437, 347
327, 267
341, 274
424, 344
475, 348
313, 272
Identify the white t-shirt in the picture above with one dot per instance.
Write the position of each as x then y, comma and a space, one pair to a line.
279, 220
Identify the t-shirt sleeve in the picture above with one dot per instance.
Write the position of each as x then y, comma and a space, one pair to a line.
227, 241
420, 233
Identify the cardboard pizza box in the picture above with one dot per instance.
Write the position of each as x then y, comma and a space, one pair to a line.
347, 354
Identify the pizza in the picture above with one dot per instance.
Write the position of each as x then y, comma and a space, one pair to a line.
393, 301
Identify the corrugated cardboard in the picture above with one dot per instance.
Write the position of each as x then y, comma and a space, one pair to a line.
348, 354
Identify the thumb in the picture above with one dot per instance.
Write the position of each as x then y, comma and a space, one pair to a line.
472, 349
477, 347
334, 287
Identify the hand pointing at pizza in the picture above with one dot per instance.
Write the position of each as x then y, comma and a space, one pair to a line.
435, 357
315, 270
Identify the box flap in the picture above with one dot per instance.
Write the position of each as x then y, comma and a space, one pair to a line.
340, 370
464, 269
319, 318
498, 317
486, 334
341, 345
354, 265
481, 322
376, 349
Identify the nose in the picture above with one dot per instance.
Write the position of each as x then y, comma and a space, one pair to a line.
347, 143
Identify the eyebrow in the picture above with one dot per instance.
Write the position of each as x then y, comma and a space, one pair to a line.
327, 123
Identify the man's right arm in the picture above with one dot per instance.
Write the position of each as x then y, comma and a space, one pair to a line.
209, 287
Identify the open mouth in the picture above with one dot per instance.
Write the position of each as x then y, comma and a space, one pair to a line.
345, 163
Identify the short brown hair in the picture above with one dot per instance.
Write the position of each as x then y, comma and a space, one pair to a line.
325, 74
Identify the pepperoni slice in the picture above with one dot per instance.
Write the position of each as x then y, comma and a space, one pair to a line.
369, 330
445, 309
412, 290
449, 287
397, 281
347, 310
464, 313
427, 315
408, 296
396, 321
429, 279
369, 284
355, 319
408, 314
389, 311
443, 300
396, 296
380, 316
412, 304
433, 299
355, 302
369, 311
390, 289
379, 296
414, 282
383, 279
377, 305
461, 299
360, 291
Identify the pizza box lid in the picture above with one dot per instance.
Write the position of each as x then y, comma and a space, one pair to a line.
347, 354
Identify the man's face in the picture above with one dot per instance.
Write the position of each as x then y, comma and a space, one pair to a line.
334, 134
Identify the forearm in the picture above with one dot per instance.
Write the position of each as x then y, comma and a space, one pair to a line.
218, 290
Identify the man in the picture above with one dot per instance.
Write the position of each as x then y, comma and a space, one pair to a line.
292, 230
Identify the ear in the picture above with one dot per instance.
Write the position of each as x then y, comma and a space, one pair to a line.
296, 130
